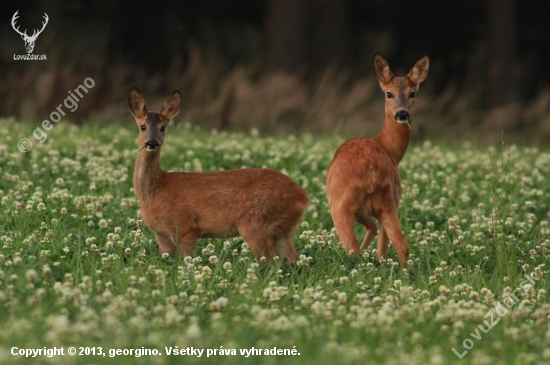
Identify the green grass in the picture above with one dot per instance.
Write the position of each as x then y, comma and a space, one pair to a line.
78, 269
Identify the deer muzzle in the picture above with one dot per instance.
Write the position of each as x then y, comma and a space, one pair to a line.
402, 116
152, 145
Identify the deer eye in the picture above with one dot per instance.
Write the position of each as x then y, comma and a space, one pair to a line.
389, 94
142, 127
162, 129
411, 95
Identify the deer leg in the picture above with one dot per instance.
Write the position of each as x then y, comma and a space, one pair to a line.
285, 249
391, 227
165, 244
343, 222
259, 243
371, 228
383, 242
187, 242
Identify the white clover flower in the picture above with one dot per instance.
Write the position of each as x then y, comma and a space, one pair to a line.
31, 275
458, 326
444, 290
194, 331
529, 290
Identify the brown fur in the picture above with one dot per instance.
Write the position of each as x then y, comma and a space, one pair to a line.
261, 205
363, 180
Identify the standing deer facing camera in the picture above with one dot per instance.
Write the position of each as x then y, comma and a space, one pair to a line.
261, 205
363, 180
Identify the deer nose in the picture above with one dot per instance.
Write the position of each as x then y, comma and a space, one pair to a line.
152, 144
402, 115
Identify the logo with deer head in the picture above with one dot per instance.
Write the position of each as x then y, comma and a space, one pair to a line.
29, 40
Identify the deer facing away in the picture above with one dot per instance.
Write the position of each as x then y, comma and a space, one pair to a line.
363, 180
261, 205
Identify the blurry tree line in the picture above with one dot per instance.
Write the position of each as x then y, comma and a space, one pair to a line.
265, 63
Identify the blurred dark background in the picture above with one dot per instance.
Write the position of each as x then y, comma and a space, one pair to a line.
287, 65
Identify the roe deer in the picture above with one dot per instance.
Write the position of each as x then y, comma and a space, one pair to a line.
363, 180
261, 205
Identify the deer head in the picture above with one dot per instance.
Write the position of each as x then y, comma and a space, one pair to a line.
400, 91
29, 41
152, 125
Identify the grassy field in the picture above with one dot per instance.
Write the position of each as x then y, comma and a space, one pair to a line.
78, 269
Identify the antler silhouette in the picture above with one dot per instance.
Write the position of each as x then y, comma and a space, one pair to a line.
29, 41
43, 26
13, 19
36, 31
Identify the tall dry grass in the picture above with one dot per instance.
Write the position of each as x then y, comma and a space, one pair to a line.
219, 95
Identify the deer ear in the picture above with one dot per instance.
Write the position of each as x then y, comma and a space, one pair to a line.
136, 103
171, 106
382, 69
420, 70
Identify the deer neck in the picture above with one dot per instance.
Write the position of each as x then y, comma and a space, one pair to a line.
394, 138
147, 175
